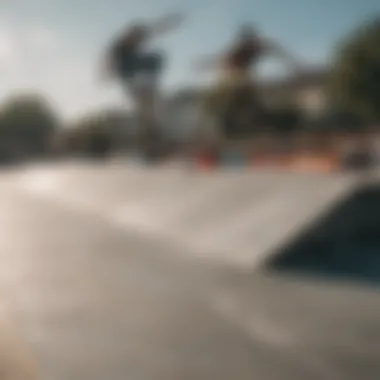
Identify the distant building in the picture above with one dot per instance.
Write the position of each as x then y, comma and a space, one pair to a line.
308, 93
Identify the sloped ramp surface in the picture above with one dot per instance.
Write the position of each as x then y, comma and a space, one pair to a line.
232, 216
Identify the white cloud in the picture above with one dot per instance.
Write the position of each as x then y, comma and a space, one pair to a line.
42, 38
7, 52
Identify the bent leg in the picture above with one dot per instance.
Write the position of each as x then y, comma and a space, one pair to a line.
143, 87
151, 65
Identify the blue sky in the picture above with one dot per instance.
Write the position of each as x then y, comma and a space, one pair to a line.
53, 46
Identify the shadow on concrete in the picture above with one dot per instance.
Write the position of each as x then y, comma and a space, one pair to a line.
344, 245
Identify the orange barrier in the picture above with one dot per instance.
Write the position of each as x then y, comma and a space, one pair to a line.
205, 162
314, 163
270, 161
299, 162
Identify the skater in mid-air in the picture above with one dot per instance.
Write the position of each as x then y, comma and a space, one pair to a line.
235, 83
137, 69
244, 52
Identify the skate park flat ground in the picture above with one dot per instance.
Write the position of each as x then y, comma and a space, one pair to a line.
105, 280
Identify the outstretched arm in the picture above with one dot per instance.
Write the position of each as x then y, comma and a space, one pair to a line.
275, 49
166, 24
209, 63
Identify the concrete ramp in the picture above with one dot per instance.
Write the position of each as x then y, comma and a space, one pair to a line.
236, 216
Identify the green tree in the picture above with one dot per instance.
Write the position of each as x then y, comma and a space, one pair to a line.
91, 135
284, 119
27, 125
355, 79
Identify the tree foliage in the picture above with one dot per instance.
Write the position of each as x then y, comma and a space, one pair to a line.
355, 80
27, 124
91, 135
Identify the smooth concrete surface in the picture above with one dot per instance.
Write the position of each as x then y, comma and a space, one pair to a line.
235, 216
17, 362
98, 299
